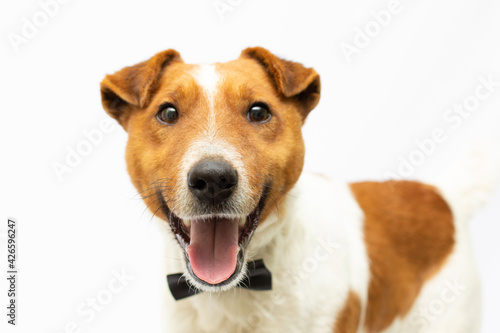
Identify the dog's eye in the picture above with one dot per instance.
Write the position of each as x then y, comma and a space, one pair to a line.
259, 113
168, 114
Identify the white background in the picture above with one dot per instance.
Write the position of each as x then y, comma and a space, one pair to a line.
75, 232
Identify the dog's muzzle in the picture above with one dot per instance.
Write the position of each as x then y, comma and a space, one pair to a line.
214, 241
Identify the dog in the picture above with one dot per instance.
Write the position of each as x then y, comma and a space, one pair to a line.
216, 152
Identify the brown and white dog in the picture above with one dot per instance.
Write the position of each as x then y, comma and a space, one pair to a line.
217, 152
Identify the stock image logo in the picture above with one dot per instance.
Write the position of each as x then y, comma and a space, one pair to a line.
31, 26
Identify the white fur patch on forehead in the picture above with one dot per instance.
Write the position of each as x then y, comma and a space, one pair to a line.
208, 78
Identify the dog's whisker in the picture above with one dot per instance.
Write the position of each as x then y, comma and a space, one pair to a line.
152, 188
152, 203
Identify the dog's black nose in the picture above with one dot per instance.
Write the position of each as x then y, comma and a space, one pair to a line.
212, 181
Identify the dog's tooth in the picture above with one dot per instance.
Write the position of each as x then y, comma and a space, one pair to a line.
243, 221
187, 223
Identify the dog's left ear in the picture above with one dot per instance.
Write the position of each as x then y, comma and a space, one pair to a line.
291, 78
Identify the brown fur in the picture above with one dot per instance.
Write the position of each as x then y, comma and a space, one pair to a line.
133, 86
271, 151
409, 233
348, 319
291, 78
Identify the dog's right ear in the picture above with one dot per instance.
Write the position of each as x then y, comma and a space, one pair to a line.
132, 87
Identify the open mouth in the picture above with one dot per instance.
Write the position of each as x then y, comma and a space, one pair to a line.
215, 245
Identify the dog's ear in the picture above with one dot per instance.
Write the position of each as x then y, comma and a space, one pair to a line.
132, 87
292, 79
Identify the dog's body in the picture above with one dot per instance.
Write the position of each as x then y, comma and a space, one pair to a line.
317, 251
217, 152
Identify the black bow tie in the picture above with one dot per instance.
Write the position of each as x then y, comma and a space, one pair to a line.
258, 278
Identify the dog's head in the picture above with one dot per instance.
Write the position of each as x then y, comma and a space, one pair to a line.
213, 149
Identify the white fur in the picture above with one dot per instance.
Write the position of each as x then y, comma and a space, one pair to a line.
471, 184
207, 77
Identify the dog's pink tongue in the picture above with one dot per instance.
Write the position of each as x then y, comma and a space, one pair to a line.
213, 249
